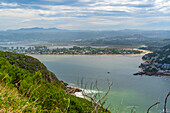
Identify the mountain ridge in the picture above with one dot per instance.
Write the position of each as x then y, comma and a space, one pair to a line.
37, 29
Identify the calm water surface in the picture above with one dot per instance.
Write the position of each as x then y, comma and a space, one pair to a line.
127, 90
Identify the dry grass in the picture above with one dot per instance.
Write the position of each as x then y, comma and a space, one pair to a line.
13, 102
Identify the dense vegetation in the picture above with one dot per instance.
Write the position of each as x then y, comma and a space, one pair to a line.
31, 64
27, 86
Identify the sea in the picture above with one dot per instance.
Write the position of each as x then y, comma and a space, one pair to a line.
127, 93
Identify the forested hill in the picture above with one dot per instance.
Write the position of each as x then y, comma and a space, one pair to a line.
31, 64
27, 86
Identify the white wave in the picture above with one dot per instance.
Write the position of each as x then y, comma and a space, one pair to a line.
71, 85
88, 91
79, 94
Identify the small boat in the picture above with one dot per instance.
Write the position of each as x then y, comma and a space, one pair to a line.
108, 72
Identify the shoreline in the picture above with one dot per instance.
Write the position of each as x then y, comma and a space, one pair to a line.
144, 52
77, 91
72, 90
151, 74
150, 62
90, 54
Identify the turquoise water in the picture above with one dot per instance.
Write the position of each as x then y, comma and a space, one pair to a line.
127, 90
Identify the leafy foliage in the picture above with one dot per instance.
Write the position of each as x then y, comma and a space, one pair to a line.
30, 64
37, 85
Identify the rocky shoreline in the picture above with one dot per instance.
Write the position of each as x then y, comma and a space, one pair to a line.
156, 63
152, 74
70, 90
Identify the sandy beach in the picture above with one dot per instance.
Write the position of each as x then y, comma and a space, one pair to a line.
95, 54
143, 53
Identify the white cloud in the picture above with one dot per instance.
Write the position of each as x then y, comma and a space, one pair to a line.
18, 12
86, 0
115, 8
54, 0
134, 2
65, 16
120, 2
9, 4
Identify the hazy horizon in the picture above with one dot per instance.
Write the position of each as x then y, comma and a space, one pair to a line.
55, 28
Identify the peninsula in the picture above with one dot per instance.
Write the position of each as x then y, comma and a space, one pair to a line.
156, 63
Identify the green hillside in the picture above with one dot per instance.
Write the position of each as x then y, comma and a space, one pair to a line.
32, 65
27, 86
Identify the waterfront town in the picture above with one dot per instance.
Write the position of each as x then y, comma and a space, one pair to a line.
75, 50
156, 63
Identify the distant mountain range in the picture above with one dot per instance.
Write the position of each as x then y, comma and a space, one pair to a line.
38, 29
124, 31
113, 37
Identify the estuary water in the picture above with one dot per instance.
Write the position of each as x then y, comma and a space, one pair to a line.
127, 90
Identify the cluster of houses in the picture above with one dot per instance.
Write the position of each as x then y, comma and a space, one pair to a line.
155, 62
72, 51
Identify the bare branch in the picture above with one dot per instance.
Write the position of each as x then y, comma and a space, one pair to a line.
82, 83
95, 97
152, 106
166, 102
92, 100
133, 110
110, 85
108, 106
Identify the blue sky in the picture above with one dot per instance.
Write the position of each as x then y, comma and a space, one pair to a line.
85, 14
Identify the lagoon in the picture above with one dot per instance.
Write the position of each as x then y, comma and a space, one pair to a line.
127, 90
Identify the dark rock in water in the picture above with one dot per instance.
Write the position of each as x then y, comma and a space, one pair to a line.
77, 90
108, 72
65, 84
139, 73
152, 74
135, 74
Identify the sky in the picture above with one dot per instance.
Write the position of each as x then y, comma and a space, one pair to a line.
85, 14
